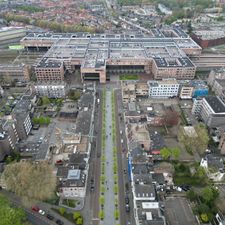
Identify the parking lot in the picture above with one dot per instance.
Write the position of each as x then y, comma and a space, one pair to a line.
178, 212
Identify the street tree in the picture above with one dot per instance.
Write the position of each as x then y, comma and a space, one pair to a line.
30, 181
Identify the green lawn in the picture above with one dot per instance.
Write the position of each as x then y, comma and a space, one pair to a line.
69, 202
129, 77
183, 176
68, 216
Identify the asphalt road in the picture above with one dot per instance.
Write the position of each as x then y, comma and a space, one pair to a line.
123, 163
92, 199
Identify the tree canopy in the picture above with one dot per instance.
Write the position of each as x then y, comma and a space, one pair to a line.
30, 181
10, 215
166, 153
199, 143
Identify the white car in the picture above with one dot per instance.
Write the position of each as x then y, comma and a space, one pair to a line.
42, 212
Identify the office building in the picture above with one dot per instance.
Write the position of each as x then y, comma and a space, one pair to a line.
163, 53
163, 89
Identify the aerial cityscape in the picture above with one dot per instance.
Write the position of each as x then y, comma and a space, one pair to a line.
112, 112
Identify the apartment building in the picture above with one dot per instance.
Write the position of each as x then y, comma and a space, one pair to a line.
211, 110
15, 72
222, 140
21, 113
48, 70
8, 136
186, 92
51, 89
163, 89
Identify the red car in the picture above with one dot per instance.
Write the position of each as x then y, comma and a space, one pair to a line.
35, 208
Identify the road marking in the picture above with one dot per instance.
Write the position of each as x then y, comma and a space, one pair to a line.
96, 219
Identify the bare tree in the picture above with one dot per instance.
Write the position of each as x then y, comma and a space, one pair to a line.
30, 181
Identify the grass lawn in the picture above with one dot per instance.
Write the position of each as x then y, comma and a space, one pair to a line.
183, 176
129, 77
68, 216
69, 202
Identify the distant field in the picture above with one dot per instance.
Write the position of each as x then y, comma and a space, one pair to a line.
129, 77
15, 47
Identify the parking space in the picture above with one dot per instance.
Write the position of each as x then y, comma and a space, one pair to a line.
178, 212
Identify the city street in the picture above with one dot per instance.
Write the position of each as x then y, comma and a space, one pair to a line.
109, 175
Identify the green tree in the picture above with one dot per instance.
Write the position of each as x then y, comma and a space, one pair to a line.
204, 217
209, 194
191, 195
62, 211
10, 215
45, 100
165, 153
74, 95
76, 215
202, 208
175, 152
30, 181
79, 221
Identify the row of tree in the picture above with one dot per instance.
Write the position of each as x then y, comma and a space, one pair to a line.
42, 120
168, 153
52, 25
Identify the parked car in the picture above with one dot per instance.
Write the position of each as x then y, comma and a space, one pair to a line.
42, 212
35, 208
50, 217
59, 222
92, 184
127, 207
127, 200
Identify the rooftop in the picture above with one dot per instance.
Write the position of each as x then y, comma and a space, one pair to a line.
216, 104
94, 50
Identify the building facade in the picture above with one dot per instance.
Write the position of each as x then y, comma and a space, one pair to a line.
8, 136
51, 89
163, 89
